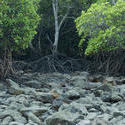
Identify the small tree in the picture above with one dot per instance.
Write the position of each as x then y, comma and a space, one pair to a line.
18, 21
104, 26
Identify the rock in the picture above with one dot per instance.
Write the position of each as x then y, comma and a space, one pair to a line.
118, 113
111, 97
15, 115
85, 100
78, 81
106, 117
95, 78
35, 110
117, 121
92, 115
29, 91
77, 73
23, 99
120, 81
99, 121
116, 98
106, 97
98, 93
93, 110
15, 123
31, 123
57, 103
72, 94
110, 80
15, 91
92, 85
67, 114
105, 87
74, 108
62, 118
82, 82
84, 122
64, 99
44, 97
14, 88
6, 120
12, 83
55, 93
33, 118
33, 83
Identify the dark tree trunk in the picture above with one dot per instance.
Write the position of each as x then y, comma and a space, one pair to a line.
6, 66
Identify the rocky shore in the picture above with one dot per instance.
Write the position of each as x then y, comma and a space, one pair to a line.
62, 99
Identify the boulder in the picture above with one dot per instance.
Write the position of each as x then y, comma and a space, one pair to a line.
14, 88
62, 118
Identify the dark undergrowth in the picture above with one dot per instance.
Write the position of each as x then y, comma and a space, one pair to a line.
108, 63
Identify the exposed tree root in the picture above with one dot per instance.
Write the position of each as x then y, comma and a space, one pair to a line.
59, 63
111, 63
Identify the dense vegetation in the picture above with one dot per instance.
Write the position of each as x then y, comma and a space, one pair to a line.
104, 24
18, 21
94, 29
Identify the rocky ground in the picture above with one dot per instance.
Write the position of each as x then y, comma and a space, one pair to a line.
62, 99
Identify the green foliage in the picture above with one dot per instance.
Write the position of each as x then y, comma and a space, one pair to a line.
18, 21
104, 24
86, 3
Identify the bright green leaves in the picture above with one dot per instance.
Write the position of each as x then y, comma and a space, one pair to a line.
18, 22
104, 24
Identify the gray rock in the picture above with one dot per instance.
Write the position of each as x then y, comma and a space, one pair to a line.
14, 88
116, 98
31, 123
106, 97
117, 121
33, 117
35, 110
84, 122
110, 80
72, 94
98, 93
119, 113
44, 97
17, 116
105, 87
111, 97
67, 114
7, 120
29, 91
63, 100
98, 121
106, 117
74, 108
92, 85
92, 115
62, 118
15, 123
78, 81
96, 78
57, 103
33, 83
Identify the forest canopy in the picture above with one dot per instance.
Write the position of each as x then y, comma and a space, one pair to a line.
18, 21
91, 30
104, 24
